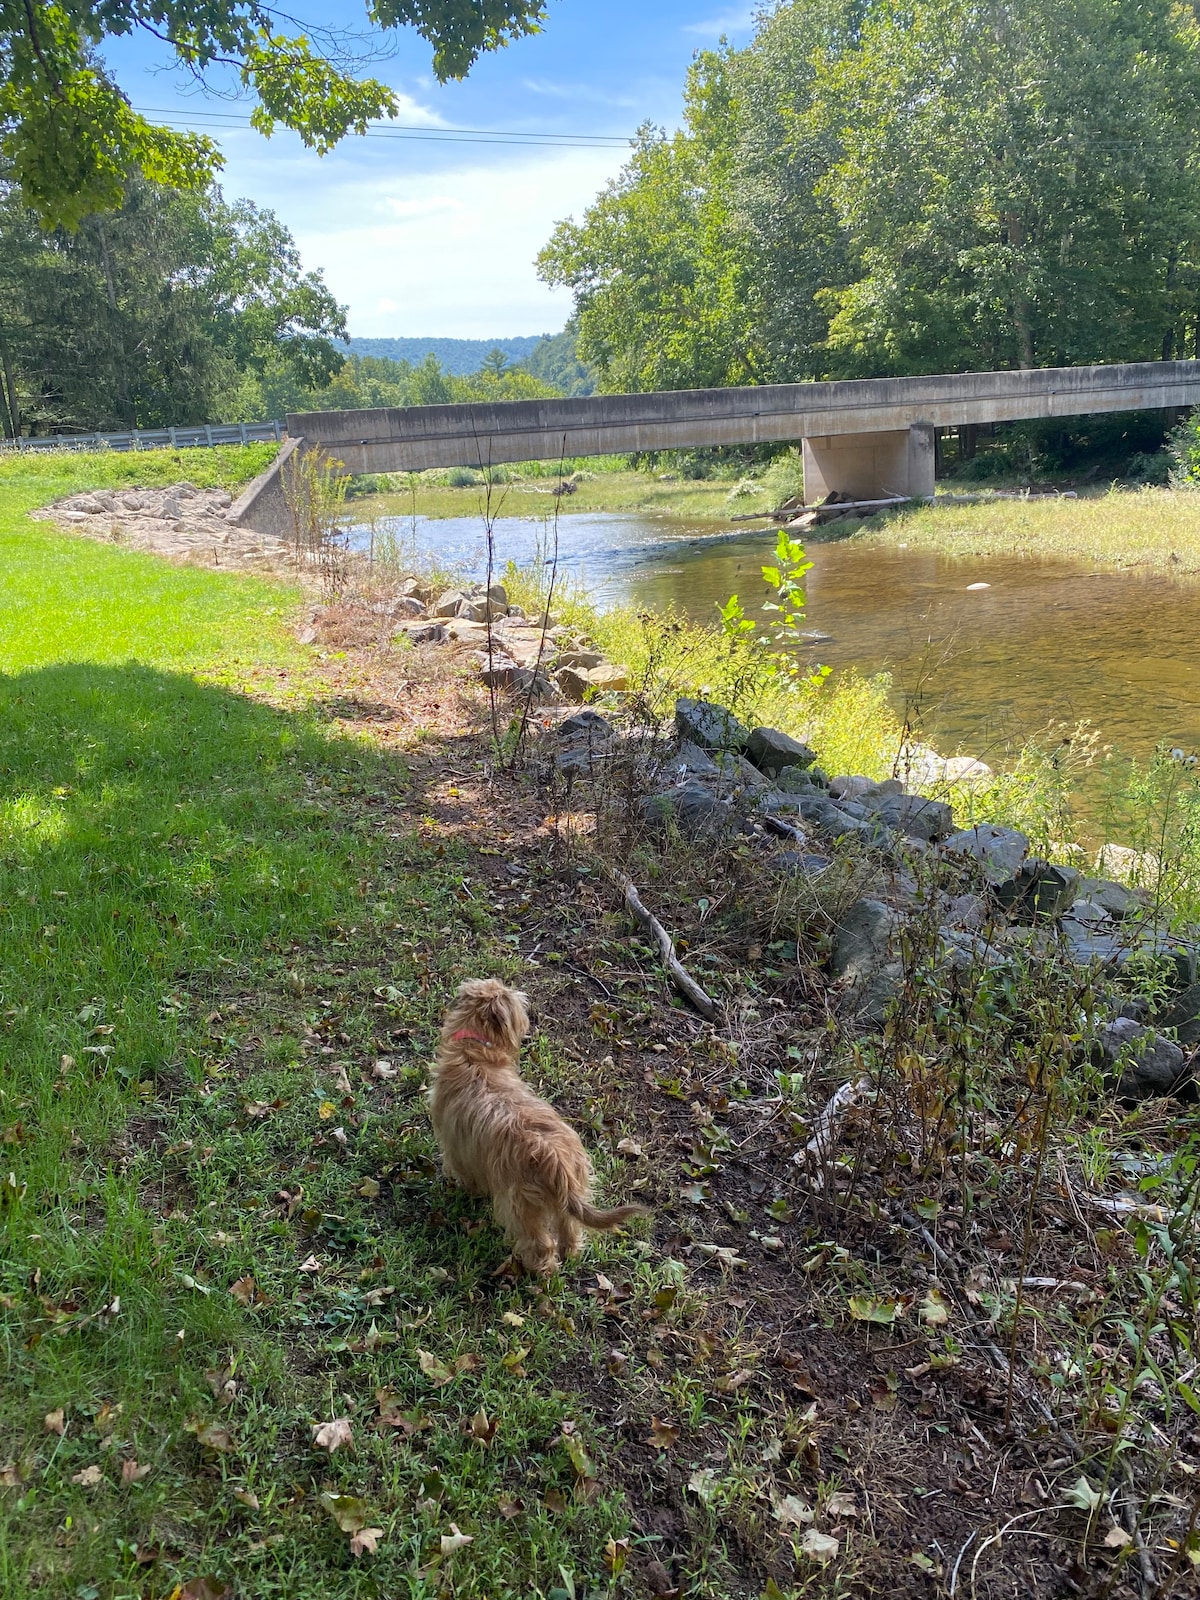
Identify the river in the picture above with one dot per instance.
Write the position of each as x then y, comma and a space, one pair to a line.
1046, 641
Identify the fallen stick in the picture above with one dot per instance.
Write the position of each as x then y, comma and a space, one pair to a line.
680, 977
816, 1152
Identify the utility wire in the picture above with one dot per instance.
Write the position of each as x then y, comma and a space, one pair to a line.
408, 130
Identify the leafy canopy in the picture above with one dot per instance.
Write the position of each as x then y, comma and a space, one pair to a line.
69, 137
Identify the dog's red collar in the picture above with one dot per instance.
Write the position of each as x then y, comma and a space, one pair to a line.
469, 1033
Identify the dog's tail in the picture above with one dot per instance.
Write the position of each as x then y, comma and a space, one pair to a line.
603, 1220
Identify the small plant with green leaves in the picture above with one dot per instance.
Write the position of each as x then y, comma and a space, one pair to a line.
785, 639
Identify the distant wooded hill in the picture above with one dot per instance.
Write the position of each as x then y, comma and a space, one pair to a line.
550, 357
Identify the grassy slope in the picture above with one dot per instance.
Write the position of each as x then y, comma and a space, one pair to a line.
207, 914
1157, 528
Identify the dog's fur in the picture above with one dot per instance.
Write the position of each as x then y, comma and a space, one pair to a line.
498, 1138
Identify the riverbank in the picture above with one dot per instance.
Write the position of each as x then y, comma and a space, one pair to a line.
257, 1343
1143, 529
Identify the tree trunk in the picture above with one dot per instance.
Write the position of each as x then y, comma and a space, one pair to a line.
115, 324
8, 392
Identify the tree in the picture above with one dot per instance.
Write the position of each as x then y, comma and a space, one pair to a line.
875, 187
70, 138
663, 297
1019, 179
152, 315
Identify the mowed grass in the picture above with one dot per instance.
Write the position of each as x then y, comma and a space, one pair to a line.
222, 1225
1144, 528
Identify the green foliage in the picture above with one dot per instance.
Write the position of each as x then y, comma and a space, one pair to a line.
555, 361
867, 190
152, 315
69, 137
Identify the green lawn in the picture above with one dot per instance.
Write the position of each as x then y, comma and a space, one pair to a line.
215, 919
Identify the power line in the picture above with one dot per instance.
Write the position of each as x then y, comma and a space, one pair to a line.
409, 130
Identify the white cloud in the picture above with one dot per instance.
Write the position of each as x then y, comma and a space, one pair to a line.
739, 20
427, 207
464, 270
412, 113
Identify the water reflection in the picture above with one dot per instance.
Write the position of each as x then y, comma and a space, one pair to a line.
1045, 641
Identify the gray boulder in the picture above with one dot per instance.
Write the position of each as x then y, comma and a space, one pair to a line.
863, 939
799, 863
1143, 1063
449, 604
1184, 1016
709, 725
423, 632
1038, 890
773, 750
1114, 898
912, 814
695, 809
997, 852
586, 725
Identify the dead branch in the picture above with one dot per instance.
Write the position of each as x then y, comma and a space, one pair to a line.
683, 981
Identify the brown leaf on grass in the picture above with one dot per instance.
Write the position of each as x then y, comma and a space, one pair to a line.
1117, 1538
791, 1511
509, 1507
347, 1510
555, 1502
482, 1428
89, 1477
309, 1264
206, 1589
841, 1504
384, 1070
245, 1291
662, 1435
630, 1148
436, 1371
54, 1422
247, 1497
616, 1556
369, 1189
223, 1384
133, 1472
366, 1539
211, 1435
332, 1435
454, 1540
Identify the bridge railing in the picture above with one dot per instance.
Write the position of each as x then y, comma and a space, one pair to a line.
200, 435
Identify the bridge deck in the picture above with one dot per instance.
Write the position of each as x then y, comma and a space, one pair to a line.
480, 435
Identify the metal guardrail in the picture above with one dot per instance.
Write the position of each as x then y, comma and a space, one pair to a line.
202, 435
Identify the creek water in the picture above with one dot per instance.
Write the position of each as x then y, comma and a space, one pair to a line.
1047, 641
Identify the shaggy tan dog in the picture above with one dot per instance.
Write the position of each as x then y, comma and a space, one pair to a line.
498, 1138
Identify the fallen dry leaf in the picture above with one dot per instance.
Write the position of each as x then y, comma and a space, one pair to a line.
384, 1070
793, 1512
89, 1477
616, 1556
369, 1189
247, 1497
244, 1290
821, 1547
211, 1435
703, 1483
437, 1373
482, 1428
54, 1423
509, 1507
133, 1472
630, 1148
365, 1539
662, 1434
514, 1319
454, 1540
309, 1264
331, 1435
1117, 1538
347, 1510
934, 1311
205, 1589
841, 1504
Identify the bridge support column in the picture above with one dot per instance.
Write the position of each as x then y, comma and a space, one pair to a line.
870, 466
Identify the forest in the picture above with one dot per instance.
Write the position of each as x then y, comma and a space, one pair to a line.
872, 189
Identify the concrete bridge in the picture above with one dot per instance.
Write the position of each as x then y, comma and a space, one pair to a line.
868, 438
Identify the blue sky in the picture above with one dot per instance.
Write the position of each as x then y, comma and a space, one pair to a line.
421, 236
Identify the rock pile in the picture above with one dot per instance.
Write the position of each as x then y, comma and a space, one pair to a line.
985, 897
514, 653
181, 522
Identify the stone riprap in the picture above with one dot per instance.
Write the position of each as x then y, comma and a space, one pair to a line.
181, 522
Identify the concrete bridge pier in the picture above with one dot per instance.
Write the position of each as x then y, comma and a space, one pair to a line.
870, 466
